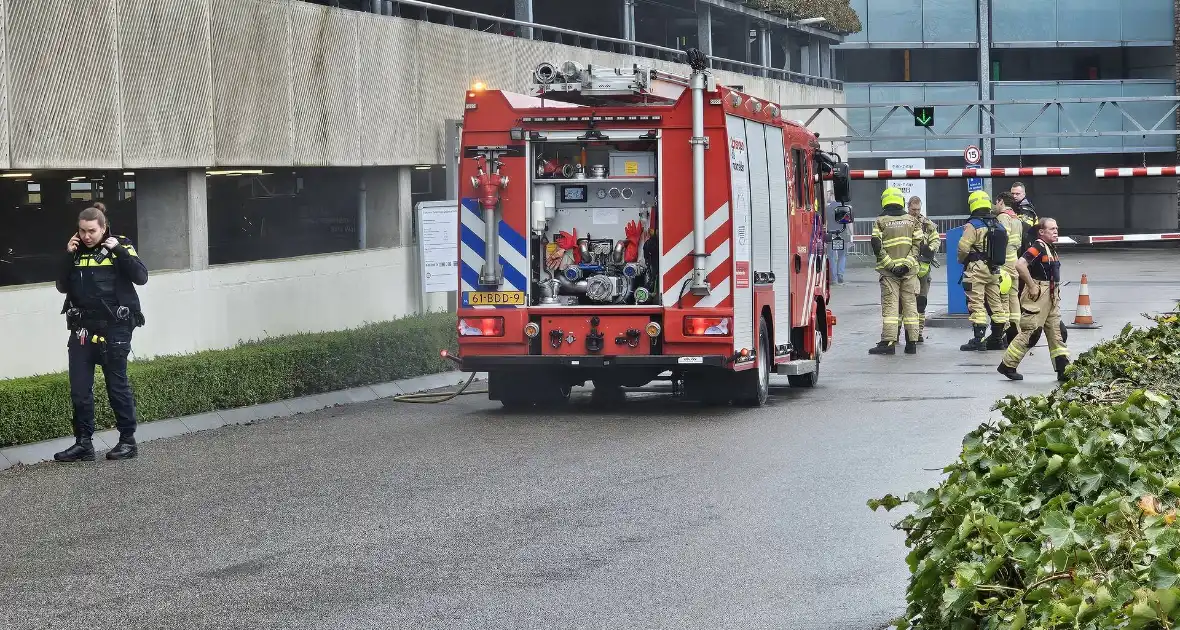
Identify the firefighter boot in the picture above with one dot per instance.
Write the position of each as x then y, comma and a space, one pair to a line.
976, 342
1010, 372
1059, 364
911, 347
995, 341
884, 347
82, 450
1010, 333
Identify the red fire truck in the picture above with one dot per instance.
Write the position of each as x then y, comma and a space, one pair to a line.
620, 224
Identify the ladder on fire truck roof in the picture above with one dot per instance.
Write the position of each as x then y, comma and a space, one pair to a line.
598, 85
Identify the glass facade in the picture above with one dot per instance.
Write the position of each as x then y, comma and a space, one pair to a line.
893, 22
1015, 22
1014, 117
1094, 22
1041, 50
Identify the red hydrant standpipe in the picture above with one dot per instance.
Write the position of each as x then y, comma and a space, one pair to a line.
487, 186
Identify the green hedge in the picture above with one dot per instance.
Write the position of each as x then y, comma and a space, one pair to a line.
842, 18
1066, 513
38, 408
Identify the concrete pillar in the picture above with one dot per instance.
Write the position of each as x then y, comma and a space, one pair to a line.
705, 28
629, 24
452, 136
825, 59
764, 48
389, 213
524, 13
173, 216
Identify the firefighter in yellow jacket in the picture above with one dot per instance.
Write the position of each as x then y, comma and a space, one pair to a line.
980, 281
896, 237
1006, 214
927, 250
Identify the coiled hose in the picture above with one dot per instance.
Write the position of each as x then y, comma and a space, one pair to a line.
440, 397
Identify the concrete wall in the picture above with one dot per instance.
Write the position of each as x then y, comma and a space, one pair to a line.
1082, 203
217, 307
175, 83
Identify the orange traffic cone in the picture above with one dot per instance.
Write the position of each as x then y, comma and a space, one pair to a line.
1083, 318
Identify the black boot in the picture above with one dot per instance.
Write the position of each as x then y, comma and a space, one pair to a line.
884, 347
976, 342
1010, 334
82, 450
995, 341
125, 449
1010, 372
1060, 363
911, 347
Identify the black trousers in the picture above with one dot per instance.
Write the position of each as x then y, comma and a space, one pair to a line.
111, 355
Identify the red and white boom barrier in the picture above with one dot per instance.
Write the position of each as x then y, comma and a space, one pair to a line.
962, 173
1126, 238
1138, 171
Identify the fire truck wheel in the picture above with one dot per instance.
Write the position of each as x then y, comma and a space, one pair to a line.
810, 379
755, 384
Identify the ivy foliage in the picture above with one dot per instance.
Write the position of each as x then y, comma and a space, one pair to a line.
841, 18
1064, 513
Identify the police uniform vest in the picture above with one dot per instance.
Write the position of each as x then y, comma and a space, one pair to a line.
100, 285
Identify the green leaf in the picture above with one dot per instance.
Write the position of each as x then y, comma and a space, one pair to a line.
1164, 573
888, 502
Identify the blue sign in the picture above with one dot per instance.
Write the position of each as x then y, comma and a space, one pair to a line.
974, 183
956, 299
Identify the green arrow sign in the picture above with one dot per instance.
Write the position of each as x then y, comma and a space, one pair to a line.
923, 116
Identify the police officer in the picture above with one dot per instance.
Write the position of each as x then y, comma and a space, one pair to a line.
896, 236
102, 309
928, 248
1024, 207
1006, 215
1040, 268
981, 283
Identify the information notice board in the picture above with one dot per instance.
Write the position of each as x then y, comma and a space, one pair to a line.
438, 233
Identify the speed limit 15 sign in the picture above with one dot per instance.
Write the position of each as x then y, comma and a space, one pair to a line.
972, 155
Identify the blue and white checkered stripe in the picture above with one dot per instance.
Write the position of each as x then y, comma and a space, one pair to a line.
512, 254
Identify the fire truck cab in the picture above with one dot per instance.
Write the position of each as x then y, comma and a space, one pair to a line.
617, 224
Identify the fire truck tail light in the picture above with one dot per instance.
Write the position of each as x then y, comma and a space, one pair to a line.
481, 327
702, 326
531, 330
653, 330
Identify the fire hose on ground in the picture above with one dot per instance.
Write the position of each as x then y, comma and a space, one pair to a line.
440, 397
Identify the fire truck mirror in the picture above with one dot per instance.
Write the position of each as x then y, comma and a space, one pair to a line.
841, 178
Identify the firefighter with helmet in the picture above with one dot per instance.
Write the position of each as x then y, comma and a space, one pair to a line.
1006, 215
896, 239
981, 282
927, 250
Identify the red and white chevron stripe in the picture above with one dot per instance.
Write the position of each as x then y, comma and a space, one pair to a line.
1116, 238
1139, 171
961, 173
718, 267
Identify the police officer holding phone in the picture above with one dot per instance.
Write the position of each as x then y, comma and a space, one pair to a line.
102, 309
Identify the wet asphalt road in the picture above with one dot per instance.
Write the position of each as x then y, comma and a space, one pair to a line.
656, 514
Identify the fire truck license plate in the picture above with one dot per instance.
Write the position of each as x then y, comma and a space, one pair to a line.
495, 298
837, 243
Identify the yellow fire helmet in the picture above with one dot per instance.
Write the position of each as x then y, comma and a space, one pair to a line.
1005, 281
892, 197
979, 200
